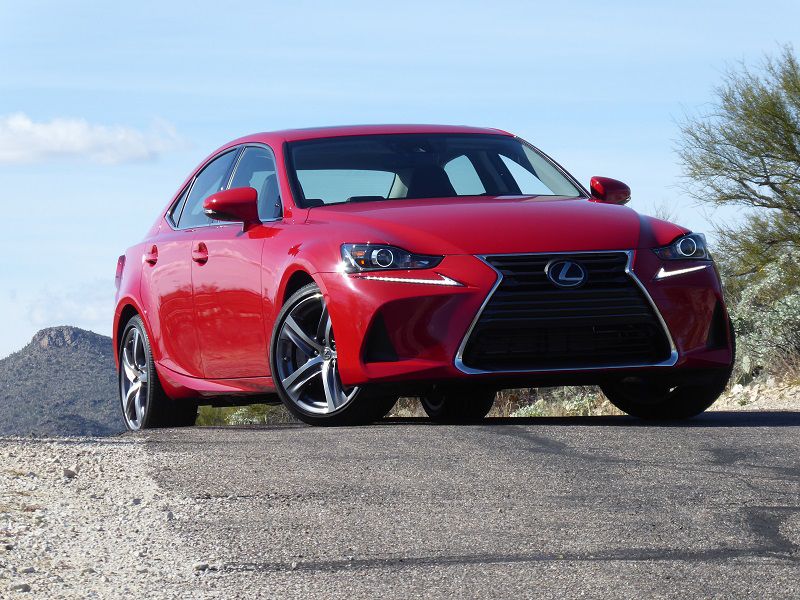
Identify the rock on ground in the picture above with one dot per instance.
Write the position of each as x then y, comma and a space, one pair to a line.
84, 520
762, 394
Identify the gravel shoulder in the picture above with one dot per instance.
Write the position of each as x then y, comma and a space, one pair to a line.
83, 518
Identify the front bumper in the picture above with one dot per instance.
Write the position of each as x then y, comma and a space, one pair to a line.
393, 331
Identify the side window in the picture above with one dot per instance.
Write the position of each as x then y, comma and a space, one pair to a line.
528, 182
177, 206
208, 181
550, 175
256, 169
463, 177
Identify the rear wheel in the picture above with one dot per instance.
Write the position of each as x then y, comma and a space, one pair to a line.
305, 370
454, 405
647, 399
143, 401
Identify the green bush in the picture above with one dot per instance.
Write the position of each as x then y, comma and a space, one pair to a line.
766, 318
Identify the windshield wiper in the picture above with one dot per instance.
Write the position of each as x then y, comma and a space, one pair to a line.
365, 199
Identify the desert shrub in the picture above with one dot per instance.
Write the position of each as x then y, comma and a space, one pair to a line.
577, 401
254, 414
767, 320
407, 407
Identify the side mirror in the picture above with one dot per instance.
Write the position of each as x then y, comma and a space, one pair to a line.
609, 191
236, 204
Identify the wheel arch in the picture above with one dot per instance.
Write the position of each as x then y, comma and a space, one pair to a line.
126, 309
296, 279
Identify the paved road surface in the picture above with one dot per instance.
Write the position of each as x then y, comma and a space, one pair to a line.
601, 507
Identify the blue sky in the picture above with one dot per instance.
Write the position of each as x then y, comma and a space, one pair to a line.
105, 107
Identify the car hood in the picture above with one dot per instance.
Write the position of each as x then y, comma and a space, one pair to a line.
495, 225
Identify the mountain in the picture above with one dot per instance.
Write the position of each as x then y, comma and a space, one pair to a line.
62, 383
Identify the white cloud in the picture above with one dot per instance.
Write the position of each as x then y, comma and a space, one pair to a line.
86, 304
89, 304
23, 140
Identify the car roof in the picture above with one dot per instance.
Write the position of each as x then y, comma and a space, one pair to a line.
293, 135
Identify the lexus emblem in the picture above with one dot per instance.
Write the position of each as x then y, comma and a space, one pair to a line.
565, 273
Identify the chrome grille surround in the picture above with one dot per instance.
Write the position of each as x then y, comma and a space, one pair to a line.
668, 362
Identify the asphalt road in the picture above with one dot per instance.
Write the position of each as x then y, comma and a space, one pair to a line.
600, 507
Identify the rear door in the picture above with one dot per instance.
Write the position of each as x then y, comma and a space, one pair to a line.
167, 274
166, 292
227, 278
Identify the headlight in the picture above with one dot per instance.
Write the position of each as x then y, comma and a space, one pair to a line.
689, 247
376, 257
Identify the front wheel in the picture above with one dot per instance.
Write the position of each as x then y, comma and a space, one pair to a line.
305, 369
454, 405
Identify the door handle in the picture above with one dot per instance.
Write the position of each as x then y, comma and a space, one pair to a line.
200, 253
151, 256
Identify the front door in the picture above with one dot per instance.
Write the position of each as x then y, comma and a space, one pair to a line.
227, 278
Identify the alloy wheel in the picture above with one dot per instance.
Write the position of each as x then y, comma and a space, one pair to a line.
306, 359
134, 379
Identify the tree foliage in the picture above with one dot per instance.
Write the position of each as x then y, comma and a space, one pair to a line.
746, 152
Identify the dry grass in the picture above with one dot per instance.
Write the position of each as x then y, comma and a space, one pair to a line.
787, 368
406, 408
553, 402
532, 402
255, 414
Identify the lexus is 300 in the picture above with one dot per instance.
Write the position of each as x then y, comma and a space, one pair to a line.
337, 269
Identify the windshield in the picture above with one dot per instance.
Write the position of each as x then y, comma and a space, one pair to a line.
371, 168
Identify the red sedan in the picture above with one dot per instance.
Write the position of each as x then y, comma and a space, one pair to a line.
337, 269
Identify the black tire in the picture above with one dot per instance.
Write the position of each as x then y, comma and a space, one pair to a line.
650, 400
366, 405
184, 413
647, 399
458, 405
157, 409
